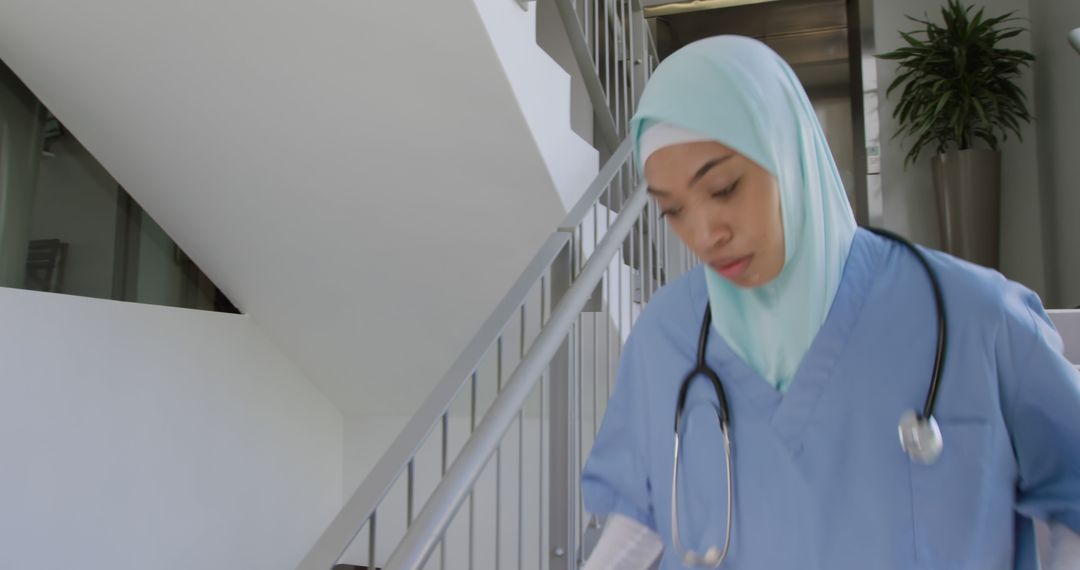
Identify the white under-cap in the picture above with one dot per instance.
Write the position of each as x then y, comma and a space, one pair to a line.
660, 135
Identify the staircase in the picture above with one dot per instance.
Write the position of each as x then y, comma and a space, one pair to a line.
347, 173
485, 474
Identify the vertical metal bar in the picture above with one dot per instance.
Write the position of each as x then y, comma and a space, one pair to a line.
607, 51
620, 304
613, 62
628, 55
543, 300
579, 360
609, 299
622, 285
620, 69
540, 478
498, 457
661, 238
667, 269
445, 440
472, 498
371, 541
658, 251
498, 505
445, 453
579, 260
632, 59
595, 228
635, 277
579, 373
472, 518
472, 402
498, 364
561, 421
596, 36
650, 230
627, 59
646, 254
650, 245
608, 323
521, 488
410, 483
521, 455
607, 210
624, 63
595, 370
585, 23
640, 256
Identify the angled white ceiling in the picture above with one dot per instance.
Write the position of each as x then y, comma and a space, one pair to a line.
357, 176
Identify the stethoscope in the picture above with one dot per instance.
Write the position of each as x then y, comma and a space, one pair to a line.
920, 436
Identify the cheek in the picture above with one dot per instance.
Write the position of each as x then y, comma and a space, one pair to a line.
682, 231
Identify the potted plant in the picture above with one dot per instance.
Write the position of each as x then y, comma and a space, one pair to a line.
960, 100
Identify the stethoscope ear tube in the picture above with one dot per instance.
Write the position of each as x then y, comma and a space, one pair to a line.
703, 369
714, 556
942, 322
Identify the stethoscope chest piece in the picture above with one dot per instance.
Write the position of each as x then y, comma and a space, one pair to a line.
920, 437
711, 559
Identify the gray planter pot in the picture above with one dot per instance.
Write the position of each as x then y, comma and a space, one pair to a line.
968, 185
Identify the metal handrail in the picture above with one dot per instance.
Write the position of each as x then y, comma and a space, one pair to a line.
615, 97
366, 499
424, 534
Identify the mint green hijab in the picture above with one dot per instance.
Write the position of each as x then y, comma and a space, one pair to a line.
737, 91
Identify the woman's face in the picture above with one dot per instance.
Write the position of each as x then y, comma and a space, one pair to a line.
723, 206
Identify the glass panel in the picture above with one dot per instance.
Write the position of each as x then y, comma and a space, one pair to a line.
67, 226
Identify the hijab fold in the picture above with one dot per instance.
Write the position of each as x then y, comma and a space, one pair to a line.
737, 91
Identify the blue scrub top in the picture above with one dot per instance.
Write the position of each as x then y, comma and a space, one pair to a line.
820, 479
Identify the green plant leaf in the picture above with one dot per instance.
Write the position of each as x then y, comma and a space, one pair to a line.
956, 84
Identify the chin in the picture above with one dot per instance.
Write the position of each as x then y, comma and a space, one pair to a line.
753, 279
748, 282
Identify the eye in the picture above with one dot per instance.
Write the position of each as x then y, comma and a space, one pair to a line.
670, 213
726, 191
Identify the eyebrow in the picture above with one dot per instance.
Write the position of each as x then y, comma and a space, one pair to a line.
705, 168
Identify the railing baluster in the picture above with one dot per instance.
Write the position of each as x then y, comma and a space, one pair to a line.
540, 478
409, 493
371, 541
622, 53
521, 489
445, 452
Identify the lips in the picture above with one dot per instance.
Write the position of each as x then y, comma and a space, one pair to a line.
732, 268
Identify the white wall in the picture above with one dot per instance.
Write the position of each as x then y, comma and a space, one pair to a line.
337, 168
76, 202
909, 203
1058, 115
138, 436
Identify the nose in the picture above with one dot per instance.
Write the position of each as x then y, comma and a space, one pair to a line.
710, 234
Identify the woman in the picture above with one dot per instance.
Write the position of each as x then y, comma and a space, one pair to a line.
823, 336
